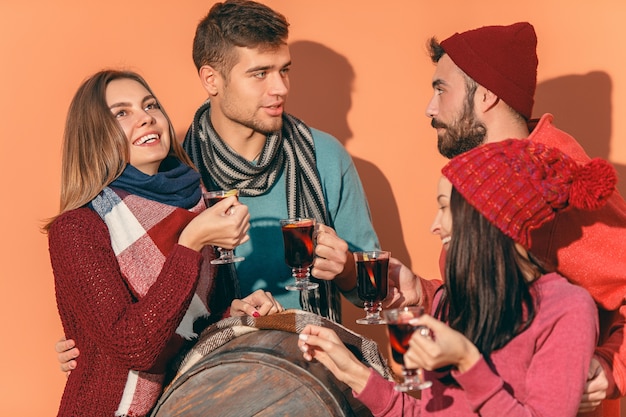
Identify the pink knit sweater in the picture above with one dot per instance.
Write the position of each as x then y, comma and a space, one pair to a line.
114, 331
541, 372
589, 248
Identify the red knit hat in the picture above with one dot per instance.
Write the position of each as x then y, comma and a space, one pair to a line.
518, 184
502, 59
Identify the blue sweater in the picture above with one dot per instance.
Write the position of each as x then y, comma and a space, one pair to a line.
264, 266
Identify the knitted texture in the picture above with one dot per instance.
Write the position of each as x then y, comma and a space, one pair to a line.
114, 330
518, 184
502, 59
142, 233
589, 248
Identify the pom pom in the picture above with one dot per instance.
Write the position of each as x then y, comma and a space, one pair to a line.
592, 185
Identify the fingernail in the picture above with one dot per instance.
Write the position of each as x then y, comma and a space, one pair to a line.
304, 337
256, 314
304, 348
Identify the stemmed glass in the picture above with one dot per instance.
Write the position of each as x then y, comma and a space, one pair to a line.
298, 241
400, 332
227, 256
372, 283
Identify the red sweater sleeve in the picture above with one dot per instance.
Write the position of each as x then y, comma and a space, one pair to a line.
590, 250
612, 352
94, 302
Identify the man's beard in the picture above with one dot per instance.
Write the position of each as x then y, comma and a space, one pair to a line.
461, 135
265, 128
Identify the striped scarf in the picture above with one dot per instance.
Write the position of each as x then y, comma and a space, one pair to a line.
143, 232
291, 149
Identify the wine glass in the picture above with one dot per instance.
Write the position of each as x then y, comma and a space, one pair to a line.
227, 256
298, 241
372, 283
400, 331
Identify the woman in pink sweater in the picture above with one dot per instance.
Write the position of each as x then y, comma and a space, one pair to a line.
131, 246
508, 337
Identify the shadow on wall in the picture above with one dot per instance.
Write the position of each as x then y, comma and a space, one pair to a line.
321, 95
581, 105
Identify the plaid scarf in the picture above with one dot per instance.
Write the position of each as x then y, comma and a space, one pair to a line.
292, 321
143, 232
292, 150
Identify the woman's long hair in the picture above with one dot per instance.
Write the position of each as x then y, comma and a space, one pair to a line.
486, 295
95, 147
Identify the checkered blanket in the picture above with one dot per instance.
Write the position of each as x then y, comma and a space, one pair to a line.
293, 321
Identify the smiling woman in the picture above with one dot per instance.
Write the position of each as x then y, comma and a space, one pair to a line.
143, 122
131, 247
376, 113
442, 225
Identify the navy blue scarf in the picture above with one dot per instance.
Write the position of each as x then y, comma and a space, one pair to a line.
176, 184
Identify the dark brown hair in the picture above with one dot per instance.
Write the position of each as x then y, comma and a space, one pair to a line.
487, 293
236, 23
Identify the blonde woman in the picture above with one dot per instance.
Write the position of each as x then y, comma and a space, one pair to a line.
131, 246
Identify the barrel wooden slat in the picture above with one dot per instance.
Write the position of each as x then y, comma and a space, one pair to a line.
259, 374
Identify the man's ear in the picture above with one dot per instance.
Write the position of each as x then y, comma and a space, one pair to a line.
210, 78
486, 99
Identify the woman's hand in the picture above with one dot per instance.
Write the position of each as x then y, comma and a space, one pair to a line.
259, 303
443, 346
225, 225
323, 344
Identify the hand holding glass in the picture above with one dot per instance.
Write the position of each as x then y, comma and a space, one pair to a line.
227, 256
400, 332
372, 282
298, 242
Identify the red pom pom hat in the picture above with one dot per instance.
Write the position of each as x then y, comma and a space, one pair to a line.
518, 184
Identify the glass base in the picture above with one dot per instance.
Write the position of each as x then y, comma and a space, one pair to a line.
371, 320
372, 313
227, 260
302, 286
301, 276
405, 387
413, 380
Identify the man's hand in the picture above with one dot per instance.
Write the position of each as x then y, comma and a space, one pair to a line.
67, 352
333, 261
405, 288
595, 388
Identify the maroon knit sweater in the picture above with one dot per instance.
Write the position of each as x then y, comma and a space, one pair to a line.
115, 331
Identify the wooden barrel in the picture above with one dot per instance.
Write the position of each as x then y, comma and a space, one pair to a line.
258, 374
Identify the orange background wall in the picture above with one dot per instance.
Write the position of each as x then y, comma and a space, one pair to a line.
360, 72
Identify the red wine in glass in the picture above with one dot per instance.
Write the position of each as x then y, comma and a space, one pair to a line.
299, 251
400, 332
372, 283
211, 198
